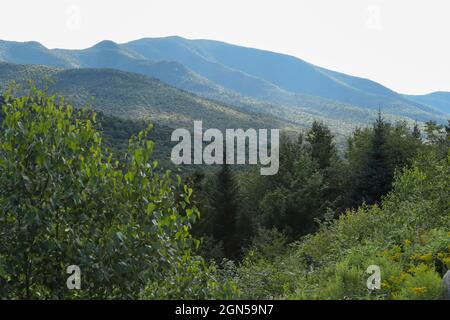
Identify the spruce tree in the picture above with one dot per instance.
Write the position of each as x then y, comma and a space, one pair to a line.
226, 212
376, 177
322, 148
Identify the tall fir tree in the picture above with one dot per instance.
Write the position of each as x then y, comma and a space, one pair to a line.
225, 218
321, 144
375, 179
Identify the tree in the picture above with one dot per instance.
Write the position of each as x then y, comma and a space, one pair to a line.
438, 137
321, 144
374, 178
225, 204
374, 155
293, 208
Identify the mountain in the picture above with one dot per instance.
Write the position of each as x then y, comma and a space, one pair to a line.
250, 79
439, 100
29, 53
135, 96
108, 54
274, 77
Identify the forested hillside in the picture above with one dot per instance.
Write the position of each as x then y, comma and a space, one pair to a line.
439, 100
268, 75
137, 231
134, 96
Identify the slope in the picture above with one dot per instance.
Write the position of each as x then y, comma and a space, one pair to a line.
275, 77
439, 100
135, 96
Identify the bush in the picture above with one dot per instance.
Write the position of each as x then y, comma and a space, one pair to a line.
423, 284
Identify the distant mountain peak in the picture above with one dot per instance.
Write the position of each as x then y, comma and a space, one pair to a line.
34, 44
107, 44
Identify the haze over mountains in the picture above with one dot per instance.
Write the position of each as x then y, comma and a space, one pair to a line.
245, 80
439, 100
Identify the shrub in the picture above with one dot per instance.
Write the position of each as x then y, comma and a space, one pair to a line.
423, 284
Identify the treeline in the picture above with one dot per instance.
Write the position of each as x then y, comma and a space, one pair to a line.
314, 184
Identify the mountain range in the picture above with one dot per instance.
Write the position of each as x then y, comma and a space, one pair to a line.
131, 95
235, 80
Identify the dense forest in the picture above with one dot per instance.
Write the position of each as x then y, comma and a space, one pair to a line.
77, 188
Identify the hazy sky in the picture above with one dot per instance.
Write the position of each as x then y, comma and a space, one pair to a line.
403, 44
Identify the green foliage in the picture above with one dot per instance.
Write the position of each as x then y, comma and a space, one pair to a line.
64, 202
66, 199
374, 154
261, 278
269, 243
321, 144
293, 207
409, 238
116, 133
313, 181
376, 177
194, 280
225, 212
438, 136
422, 283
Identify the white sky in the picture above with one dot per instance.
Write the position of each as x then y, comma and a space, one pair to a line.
403, 44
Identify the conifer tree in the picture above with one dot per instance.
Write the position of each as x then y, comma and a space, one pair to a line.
321, 144
226, 212
375, 179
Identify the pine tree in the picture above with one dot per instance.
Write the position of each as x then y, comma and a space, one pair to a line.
226, 212
321, 144
376, 177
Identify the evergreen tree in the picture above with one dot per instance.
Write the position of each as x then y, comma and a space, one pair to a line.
226, 212
321, 144
376, 178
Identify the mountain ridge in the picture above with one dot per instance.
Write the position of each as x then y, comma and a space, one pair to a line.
132, 95
438, 99
285, 71
252, 79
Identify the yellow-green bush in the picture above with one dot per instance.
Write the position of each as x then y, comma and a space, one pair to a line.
422, 283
